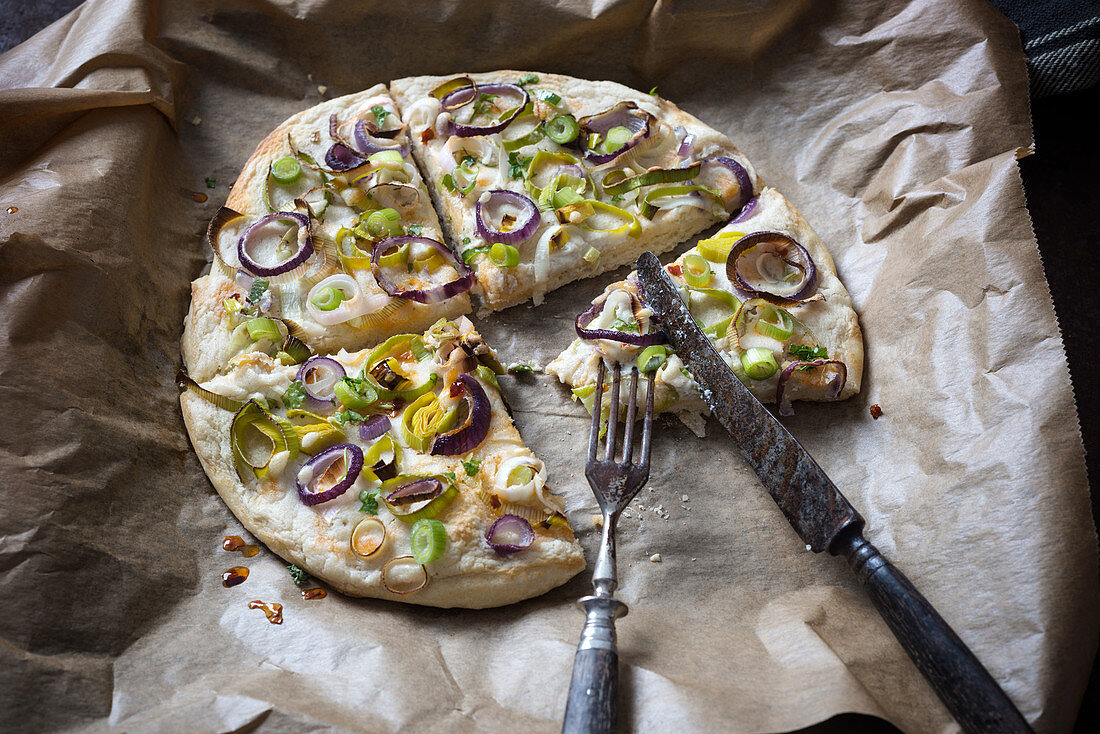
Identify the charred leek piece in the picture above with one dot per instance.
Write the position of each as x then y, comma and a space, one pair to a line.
423, 419
184, 381
258, 435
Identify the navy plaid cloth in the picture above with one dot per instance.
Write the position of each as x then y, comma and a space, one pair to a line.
1062, 42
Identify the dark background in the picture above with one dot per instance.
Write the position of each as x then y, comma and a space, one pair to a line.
1062, 194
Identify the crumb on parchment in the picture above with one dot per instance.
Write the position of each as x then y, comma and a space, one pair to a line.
876, 412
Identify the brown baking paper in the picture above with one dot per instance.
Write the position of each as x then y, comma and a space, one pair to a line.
893, 127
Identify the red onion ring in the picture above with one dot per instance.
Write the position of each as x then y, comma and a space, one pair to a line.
510, 524
461, 284
521, 233
305, 245
320, 464
474, 429
465, 95
639, 340
744, 181
418, 490
341, 157
322, 364
366, 143
751, 241
624, 114
785, 375
373, 427
686, 142
746, 211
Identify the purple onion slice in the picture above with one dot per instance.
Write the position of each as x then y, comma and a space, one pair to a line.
341, 463
626, 337
734, 198
419, 490
250, 250
624, 114
772, 266
510, 534
435, 294
368, 142
373, 427
220, 220
687, 142
838, 382
474, 429
747, 210
459, 98
319, 376
500, 203
342, 157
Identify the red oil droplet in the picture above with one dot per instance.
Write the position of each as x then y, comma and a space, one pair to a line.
199, 196
236, 542
314, 593
274, 611
234, 576
12, 209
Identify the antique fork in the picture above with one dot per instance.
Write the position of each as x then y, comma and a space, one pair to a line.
591, 706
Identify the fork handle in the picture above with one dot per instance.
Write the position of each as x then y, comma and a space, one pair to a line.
592, 705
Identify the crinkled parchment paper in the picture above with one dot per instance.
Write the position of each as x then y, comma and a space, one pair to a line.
894, 127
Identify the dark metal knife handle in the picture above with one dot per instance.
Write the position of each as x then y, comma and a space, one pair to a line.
962, 683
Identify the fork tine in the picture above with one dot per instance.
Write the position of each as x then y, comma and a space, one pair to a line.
631, 409
647, 428
594, 434
613, 414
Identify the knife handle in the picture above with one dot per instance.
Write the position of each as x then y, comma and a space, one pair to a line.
962, 683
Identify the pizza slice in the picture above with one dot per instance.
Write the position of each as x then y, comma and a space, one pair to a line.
764, 289
542, 179
328, 241
394, 472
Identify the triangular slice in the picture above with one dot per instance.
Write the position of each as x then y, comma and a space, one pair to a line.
406, 480
787, 328
542, 179
315, 199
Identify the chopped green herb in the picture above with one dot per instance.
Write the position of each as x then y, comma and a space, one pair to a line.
520, 368
628, 326
517, 165
347, 416
414, 229
484, 102
654, 90
468, 160
369, 498
807, 353
211, 182
465, 240
300, 577
259, 285
295, 395
617, 198
471, 466
380, 113
451, 475
528, 79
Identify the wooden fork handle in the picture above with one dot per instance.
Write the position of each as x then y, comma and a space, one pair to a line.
962, 683
592, 706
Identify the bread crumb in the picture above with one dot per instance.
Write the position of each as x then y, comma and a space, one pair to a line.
655, 558
683, 498
876, 412
809, 547
597, 520
321, 89
196, 120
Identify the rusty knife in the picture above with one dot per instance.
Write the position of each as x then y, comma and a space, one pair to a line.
827, 521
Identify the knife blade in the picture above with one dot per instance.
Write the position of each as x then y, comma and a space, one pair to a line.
826, 520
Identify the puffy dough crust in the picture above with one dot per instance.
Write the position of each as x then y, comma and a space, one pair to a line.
469, 575
504, 287
206, 345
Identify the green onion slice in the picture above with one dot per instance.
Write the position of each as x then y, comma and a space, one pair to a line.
419, 510
541, 162
717, 248
264, 328
616, 181
696, 270
396, 257
286, 170
356, 394
774, 322
630, 224
651, 201
469, 254
428, 540
652, 358
328, 298
257, 436
545, 95
504, 256
486, 375
591, 256
384, 223
532, 136
563, 129
759, 363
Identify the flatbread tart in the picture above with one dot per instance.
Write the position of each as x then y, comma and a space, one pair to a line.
347, 410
